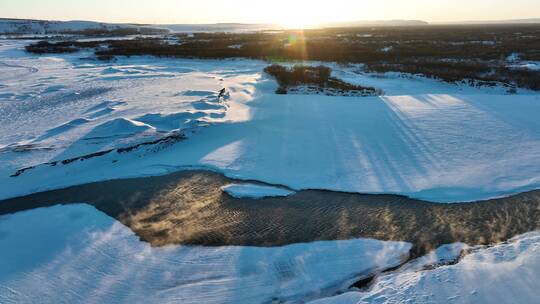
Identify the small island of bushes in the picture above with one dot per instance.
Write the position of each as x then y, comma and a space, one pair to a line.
302, 79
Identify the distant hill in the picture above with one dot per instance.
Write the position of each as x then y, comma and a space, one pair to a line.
242, 27
217, 27
377, 23
29, 26
40, 27
510, 21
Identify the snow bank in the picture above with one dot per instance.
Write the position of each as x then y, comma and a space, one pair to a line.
505, 273
177, 121
63, 128
198, 93
119, 127
73, 254
527, 65
255, 191
113, 134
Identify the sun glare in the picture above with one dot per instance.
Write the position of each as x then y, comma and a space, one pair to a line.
298, 16
300, 22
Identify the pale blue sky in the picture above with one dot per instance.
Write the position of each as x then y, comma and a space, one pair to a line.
274, 11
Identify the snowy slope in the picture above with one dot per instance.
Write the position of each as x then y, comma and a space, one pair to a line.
424, 139
74, 254
505, 273
23, 26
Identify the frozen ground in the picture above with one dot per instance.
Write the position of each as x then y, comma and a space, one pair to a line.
67, 254
505, 273
76, 254
425, 139
255, 191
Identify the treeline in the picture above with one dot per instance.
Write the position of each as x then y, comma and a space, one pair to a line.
349, 45
118, 32
450, 53
45, 47
475, 72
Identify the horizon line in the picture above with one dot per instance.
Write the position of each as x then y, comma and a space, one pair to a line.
478, 21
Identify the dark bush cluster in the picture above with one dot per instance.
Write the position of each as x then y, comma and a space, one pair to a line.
117, 32
299, 75
45, 47
319, 76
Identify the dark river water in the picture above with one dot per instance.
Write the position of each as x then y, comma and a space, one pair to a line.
190, 208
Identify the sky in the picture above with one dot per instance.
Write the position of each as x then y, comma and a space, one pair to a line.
284, 12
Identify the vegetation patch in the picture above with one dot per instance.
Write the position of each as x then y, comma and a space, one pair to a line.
476, 55
473, 73
45, 47
315, 80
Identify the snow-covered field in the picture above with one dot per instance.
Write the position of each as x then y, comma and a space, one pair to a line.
76, 254
424, 138
505, 273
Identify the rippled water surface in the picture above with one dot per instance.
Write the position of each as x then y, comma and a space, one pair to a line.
189, 207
